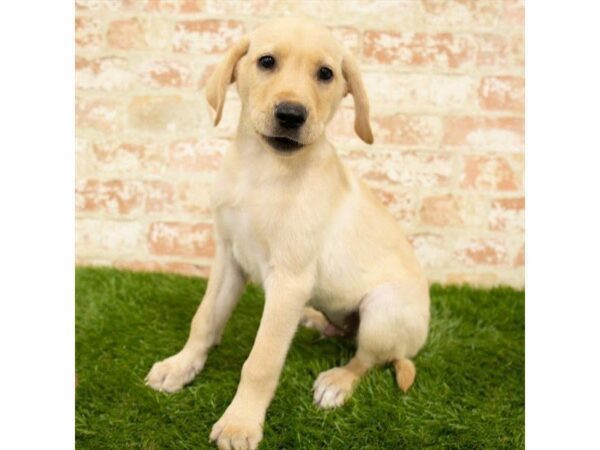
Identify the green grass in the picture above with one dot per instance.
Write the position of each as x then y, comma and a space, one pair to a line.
469, 391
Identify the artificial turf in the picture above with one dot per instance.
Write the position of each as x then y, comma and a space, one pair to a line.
469, 390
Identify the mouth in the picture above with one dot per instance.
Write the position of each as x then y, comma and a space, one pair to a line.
283, 144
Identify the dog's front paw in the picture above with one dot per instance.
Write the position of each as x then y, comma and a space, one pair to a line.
333, 387
173, 373
237, 431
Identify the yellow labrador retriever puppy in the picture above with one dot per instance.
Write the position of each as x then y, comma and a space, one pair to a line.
290, 216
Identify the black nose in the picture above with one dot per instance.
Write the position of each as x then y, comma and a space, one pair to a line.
290, 115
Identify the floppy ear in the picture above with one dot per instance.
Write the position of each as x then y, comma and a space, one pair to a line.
362, 125
223, 76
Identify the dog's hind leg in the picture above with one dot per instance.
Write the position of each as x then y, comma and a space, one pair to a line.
316, 320
224, 288
393, 327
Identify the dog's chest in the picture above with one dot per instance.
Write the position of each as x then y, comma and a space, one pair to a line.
248, 249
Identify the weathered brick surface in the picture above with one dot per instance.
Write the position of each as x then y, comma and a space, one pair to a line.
88, 32
514, 12
502, 93
507, 214
181, 239
128, 34
206, 36
460, 13
349, 37
102, 237
431, 249
99, 114
453, 210
196, 155
174, 6
414, 91
447, 88
163, 114
500, 51
485, 133
481, 251
441, 211
165, 74
182, 268
233, 8
107, 73
486, 279
400, 204
403, 169
126, 157
101, 5
112, 197
520, 258
419, 50
392, 129
489, 173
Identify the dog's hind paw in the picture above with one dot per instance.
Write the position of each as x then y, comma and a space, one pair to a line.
333, 387
171, 374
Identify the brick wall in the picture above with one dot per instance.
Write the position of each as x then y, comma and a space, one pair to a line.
446, 84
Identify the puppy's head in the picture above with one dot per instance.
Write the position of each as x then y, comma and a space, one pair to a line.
291, 75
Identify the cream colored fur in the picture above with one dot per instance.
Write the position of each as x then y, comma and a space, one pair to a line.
305, 228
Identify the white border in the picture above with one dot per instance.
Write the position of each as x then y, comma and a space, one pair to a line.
563, 225
36, 229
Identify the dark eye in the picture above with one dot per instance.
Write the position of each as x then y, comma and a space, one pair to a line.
325, 74
266, 62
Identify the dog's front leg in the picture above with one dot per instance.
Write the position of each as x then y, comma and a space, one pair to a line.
240, 427
225, 286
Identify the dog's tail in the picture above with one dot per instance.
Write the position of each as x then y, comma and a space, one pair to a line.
405, 373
